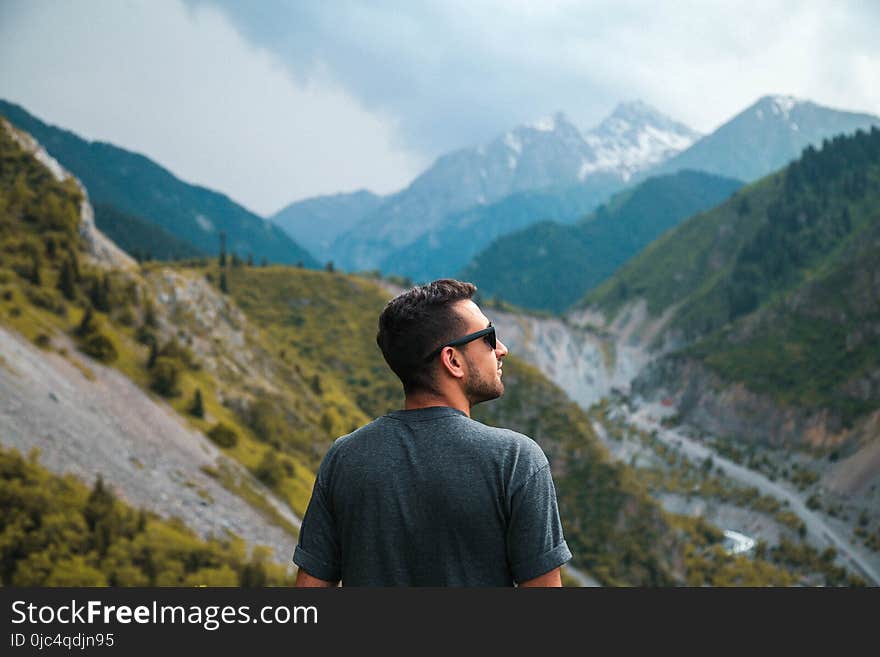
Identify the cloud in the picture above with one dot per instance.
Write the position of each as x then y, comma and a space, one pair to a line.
276, 100
183, 87
458, 73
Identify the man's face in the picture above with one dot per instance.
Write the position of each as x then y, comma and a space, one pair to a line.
483, 379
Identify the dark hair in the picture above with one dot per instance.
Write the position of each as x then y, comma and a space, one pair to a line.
415, 323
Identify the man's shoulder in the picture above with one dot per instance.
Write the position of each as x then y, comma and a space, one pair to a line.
519, 444
379, 424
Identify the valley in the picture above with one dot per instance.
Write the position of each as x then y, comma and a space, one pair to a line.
742, 499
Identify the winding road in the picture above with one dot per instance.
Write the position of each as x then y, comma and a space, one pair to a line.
817, 529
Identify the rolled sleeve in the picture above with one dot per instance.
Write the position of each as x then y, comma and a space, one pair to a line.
317, 551
535, 543
315, 566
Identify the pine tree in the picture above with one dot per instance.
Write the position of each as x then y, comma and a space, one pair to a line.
222, 259
34, 273
66, 281
87, 324
51, 247
198, 406
154, 354
99, 293
74, 261
224, 286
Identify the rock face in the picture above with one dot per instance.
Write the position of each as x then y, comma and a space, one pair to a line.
103, 251
581, 353
731, 410
107, 425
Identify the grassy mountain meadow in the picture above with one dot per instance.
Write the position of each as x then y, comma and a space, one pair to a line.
549, 265
776, 289
271, 364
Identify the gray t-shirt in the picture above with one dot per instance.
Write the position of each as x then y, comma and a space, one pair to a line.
430, 497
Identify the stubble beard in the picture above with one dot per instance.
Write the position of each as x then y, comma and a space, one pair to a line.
479, 389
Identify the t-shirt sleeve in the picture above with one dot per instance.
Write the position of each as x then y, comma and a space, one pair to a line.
317, 551
535, 544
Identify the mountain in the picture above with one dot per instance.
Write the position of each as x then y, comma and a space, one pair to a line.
634, 138
765, 137
549, 266
445, 249
137, 186
551, 153
140, 238
316, 222
767, 306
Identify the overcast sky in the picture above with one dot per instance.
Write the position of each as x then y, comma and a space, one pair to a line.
274, 101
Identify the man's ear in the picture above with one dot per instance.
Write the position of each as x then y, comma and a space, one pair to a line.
450, 360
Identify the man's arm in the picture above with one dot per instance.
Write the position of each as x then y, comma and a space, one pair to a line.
549, 579
304, 580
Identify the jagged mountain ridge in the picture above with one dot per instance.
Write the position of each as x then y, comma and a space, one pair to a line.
764, 137
550, 153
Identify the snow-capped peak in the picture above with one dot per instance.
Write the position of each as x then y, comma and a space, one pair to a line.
634, 137
779, 105
783, 105
545, 124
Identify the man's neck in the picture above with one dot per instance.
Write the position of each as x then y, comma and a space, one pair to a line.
421, 399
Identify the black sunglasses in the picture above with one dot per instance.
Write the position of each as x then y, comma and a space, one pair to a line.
487, 333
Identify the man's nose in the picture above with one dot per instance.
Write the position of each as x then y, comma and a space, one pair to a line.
500, 349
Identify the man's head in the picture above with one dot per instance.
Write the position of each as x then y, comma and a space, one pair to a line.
414, 329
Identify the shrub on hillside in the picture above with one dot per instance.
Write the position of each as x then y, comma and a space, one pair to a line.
223, 435
165, 376
271, 470
99, 346
46, 298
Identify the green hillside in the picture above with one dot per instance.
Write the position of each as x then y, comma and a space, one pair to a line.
461, 236
54, 531
777, 287
550, 266
141, 239
138, 186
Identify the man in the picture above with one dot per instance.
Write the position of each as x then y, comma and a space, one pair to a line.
427, 496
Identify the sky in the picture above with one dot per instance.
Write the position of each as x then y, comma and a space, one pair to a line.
274, 101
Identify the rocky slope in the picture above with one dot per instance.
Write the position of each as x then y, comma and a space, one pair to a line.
88, 419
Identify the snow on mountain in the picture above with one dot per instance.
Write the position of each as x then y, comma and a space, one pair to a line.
633, 138
548, 153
